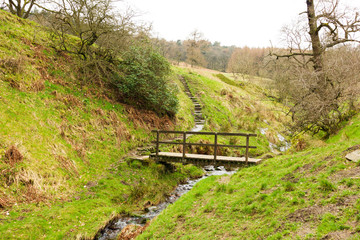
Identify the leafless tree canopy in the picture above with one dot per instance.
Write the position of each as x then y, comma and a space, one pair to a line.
21, 8
194, 47
246, 61
319, 70
85, 19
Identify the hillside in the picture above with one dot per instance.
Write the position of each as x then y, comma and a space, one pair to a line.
311, 194
235, 106
64, 141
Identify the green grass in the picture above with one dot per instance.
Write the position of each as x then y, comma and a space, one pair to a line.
121, 191
65, 148
36, 129
228, 80
73, 177
305, 195
235, 108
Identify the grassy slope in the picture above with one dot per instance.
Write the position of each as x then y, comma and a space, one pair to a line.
72, 177
313, 194
236, 107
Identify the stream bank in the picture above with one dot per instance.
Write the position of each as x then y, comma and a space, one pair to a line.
136, 224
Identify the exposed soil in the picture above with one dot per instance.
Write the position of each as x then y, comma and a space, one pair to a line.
308, 216
351, 149
290, 178
353, 172
304, 169
312, 213
338, 235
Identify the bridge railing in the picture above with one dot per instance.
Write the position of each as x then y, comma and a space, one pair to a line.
215, 144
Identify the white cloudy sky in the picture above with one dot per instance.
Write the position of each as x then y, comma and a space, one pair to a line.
252, 23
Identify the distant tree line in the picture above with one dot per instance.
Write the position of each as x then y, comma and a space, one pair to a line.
197, 51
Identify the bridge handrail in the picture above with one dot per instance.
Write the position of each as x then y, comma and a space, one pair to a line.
215, 144
207, 133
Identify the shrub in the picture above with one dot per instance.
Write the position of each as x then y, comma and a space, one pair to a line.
143, 82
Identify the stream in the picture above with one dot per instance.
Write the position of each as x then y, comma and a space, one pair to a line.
112, 230
284, 144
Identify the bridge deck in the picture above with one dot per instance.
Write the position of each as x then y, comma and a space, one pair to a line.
189, 157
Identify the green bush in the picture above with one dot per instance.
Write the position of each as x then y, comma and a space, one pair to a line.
144, 83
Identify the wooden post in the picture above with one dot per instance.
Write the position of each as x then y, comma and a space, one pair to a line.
157, 145
215, 149
184, 146
247, 149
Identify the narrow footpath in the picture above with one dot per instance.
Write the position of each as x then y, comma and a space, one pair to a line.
116, 228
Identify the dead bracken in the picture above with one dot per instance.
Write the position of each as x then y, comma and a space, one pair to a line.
13, 156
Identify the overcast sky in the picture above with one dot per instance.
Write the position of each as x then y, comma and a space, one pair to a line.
252, 23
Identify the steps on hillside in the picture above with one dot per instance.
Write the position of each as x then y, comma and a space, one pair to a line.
199, 120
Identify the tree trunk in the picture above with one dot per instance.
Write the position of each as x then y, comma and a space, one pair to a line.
314, 34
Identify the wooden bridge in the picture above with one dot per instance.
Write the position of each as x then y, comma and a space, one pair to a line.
201, 159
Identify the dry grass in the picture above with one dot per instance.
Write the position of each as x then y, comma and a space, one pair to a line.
122, 133
6, 201
132, 231
33, 195
38, 85
224, 180
202, 71
13, 65
13, 156
99, 112
67, 164
68, 99
148, 119
300, 145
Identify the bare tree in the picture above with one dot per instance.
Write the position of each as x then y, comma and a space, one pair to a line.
318, 83
86, 19
246, 61
93, 31
20, 8
194, 46
218, 56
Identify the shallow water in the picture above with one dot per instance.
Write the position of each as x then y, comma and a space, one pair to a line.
113, 230
285, 145
197, 128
